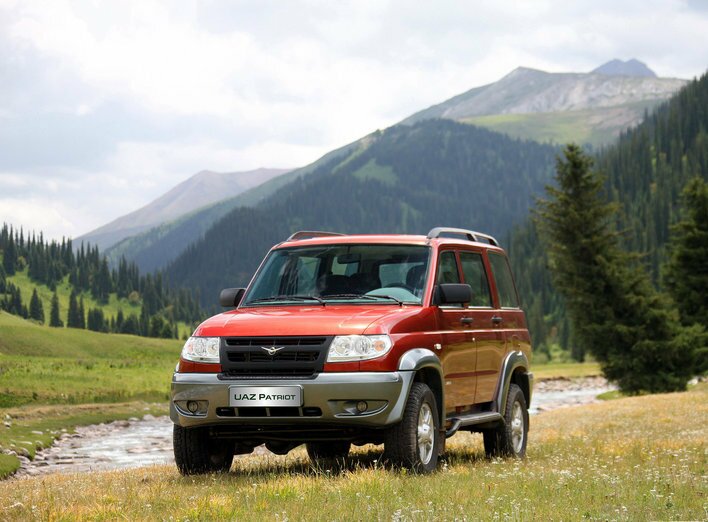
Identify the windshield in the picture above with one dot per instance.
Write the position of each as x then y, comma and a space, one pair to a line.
342, 273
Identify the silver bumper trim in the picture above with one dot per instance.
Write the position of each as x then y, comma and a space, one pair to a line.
333, 393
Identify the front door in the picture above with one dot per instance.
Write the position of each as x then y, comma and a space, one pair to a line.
488, 339
458, 351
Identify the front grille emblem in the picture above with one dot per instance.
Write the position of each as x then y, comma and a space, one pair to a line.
272, 350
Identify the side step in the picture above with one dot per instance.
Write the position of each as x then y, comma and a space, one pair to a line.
472, 419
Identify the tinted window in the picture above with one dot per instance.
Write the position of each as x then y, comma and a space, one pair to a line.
505, 283
447, 268
476, 277
345, 273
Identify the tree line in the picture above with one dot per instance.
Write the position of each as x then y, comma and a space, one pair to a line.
87, 271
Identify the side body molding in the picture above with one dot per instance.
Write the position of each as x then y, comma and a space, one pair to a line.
419, 359
512, 362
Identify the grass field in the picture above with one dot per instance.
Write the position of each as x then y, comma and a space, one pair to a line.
42, 365
641, 458
53, 378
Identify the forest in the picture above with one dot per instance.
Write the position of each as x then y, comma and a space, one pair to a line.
645, 174
157, 307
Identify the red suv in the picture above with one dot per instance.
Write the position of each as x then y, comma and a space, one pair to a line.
356, 339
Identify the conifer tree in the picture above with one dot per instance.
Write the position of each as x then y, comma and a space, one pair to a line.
81, 314
54, 318
72, 318
686, 272
615, 312
36, 308
9, 257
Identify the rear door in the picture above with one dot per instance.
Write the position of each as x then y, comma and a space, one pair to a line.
513, 322
486, 334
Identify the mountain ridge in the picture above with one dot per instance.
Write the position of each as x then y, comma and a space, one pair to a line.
199, 190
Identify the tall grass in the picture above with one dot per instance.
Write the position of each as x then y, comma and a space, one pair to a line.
641, 458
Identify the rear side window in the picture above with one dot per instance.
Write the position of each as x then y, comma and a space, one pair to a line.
476, 277
505, 283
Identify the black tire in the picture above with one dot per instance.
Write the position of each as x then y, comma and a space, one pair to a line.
402, 444
196, 452
328, 453
511, 437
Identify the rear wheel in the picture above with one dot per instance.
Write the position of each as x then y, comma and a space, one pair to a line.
414, 442
510, 438
197, 452
328, 453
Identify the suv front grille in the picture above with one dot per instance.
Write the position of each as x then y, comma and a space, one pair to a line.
296, 356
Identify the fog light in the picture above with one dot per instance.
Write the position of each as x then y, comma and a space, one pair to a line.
192, 406
361, 406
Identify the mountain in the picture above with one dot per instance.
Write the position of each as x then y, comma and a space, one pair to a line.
407, 178
203, 188
646, 170
156, 247
548, 107
629, 68
588, 108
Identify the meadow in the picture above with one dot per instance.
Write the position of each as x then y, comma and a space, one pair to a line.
58, 378
640, 458
625, 459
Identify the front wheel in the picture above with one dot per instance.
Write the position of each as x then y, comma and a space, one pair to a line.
414, 442
196, 452
510, 438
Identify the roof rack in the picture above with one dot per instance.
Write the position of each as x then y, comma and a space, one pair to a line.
309, 234
469, 234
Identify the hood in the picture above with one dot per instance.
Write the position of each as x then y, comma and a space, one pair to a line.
300, 320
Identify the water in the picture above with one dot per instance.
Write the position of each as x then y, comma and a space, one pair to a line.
130, 444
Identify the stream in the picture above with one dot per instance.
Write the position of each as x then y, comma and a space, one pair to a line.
147, 441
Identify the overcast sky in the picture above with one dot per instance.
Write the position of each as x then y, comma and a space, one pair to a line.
106, 105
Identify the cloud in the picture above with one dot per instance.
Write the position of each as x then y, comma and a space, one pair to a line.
104, 106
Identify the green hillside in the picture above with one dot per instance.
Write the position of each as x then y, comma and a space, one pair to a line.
595, 127
110, 308
53, 284
646, 172
404, 179
43, 365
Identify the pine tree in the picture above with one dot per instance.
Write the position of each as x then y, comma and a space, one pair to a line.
54, 318
686, 272
615, 312
81, 314
72, 318
36, 309
9, 257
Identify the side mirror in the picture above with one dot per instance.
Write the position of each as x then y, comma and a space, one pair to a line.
230, 297
453, 293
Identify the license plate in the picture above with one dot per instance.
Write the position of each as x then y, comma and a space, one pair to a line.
265, 396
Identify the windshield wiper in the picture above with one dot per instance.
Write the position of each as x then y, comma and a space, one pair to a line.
364, 296
288, 298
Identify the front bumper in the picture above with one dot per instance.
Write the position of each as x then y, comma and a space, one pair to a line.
333, 395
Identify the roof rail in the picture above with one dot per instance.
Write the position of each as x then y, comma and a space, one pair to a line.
309, 234
471, 235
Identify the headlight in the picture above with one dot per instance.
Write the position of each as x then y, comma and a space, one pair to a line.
358, 347
201, 349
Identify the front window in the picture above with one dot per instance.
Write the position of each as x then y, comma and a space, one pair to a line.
342, 273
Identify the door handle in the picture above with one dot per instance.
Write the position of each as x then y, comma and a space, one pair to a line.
496, 319
467, 320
